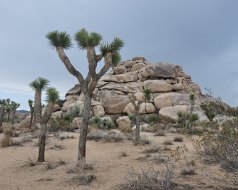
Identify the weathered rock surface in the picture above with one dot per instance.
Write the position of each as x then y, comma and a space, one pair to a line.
157, 86
123, 122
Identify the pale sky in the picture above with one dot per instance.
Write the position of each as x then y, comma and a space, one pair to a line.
199, 35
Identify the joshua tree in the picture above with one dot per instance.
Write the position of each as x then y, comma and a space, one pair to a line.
38, 85
30, 103
86, 41
136, 104
14, 107
8, 109
2, 110
52, 96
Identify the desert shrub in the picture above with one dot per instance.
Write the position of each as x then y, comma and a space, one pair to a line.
168, 142
221, 148
106, 136
6, 141
72, 113
148, 178
30, 162
147, 95
104, 124
60, 124
113, 136
83, 179
152, 149
143, 140
186, 119
178, 139
187, 171
212, 109
150, 118
8, 132
123, 154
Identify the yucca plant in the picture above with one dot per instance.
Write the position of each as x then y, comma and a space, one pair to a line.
38, 85
109, 52
14, 107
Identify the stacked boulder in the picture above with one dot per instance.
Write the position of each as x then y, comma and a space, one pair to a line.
170, 90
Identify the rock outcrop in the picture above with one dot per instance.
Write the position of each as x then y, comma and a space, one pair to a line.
170, 89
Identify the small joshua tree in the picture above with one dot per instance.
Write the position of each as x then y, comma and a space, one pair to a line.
108, 52
30, 103
136, 104
38, 85
52, 96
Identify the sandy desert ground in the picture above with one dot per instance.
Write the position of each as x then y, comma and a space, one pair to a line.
111, 163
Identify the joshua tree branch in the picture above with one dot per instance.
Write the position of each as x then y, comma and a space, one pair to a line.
69, 66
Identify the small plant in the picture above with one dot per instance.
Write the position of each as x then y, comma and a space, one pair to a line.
8, 132
148, 95
83, 179
168, 142
152, 149
178, 139
50, 166
187, 171
149, 178
123, 154
6, 141
30, 162
104, 124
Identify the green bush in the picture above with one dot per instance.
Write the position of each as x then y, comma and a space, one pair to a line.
104, 124
212, 109
221, 148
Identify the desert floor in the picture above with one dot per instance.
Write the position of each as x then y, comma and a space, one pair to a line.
109, 165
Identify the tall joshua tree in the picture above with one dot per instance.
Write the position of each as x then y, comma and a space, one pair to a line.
109, 52
14, 107
38, 85
52, 96
30, 103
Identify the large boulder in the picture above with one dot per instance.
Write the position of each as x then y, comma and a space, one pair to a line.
146, 107
121, 78
98, 110
171, 99
76, 90
113, 103
157, 86
170, 114
123, 122
157, 71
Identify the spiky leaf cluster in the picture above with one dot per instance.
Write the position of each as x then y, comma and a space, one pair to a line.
52, 95
39, 83
85, 39
112, 48
59, 39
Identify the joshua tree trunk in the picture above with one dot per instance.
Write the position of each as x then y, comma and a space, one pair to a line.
8, 116
13, 114
31, 119
37, 106
42, 138
84, 128
43, 132
137, 132
2, 113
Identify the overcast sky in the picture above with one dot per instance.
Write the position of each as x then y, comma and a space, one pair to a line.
199, 35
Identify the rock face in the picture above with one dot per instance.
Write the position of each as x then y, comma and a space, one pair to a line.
170, 90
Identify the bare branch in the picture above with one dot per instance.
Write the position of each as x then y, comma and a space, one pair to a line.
107, 65
69, 66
